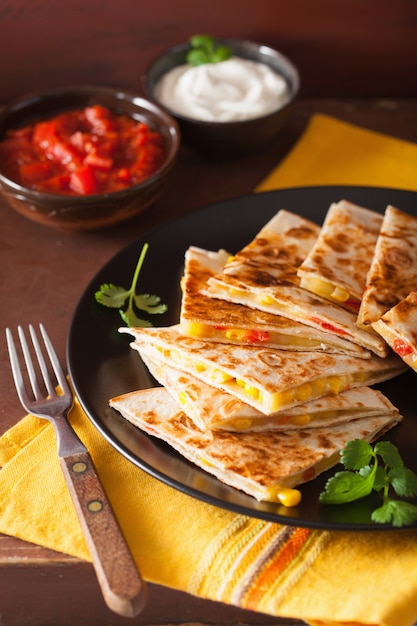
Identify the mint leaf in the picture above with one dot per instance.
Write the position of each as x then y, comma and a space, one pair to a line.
197, 57
204, 51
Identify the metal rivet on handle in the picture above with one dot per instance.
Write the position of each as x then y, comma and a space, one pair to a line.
94, 506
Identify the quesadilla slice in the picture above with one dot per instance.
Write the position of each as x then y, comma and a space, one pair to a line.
398, 327
393, 271
263, 276
269, 380
227, 322
262, 465
336, 266
212, 408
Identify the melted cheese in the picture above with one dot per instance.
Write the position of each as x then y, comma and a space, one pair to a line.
327, 290
266, 402
240, 335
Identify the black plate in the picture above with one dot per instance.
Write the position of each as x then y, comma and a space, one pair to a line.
102, 365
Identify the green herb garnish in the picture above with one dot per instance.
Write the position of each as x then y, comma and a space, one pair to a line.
378, 468
204, 50
111, 296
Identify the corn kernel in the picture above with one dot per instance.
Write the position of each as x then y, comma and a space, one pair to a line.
220, 377
303, 392
242, 424
340, 294
289, 497
336, 383
300, 420
251, 391
235, 334
266, 300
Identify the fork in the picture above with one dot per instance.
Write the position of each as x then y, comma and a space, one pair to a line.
123, 589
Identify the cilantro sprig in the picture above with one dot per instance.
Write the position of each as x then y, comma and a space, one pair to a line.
204, 50
381, 469
115, 297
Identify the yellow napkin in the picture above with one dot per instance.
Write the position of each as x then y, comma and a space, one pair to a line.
332, 152
329, 578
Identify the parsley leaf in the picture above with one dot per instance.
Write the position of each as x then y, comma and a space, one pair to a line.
378, 468
346, 487
115, 297
397, 512
203, 50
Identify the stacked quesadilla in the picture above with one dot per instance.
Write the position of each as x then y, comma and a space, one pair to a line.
398, 326
269, 380
263, 465
263, 276
393, 271
239, 324
214, 409
263, 380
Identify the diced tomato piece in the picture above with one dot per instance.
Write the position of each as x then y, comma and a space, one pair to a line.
63, 153
98, 162
402, 347
99, 118
329, 327
83, 181
83, 151
352, 304
34, 172
45, 134
123, 175
256, 336
56, 184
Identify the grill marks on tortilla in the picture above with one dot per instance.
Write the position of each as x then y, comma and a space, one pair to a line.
393, 272
227, 322
257, 463
263, 276
344, 248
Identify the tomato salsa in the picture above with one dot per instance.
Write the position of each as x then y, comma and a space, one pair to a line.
82, 152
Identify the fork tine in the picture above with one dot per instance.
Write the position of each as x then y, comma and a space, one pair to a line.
42, 365
16, 371
57, 367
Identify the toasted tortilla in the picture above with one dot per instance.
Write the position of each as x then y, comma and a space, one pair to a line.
263, 275
227, 322
393, 271
398, 327
337, 265
212, 408
260, 464
267, 379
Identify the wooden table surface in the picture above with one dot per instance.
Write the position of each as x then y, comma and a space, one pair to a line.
43, 273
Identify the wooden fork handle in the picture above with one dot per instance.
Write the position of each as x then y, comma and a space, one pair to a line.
122, 586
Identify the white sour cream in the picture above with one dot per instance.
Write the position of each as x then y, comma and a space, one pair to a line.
233, 90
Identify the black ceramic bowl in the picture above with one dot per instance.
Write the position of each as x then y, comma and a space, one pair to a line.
228, 137
88, 212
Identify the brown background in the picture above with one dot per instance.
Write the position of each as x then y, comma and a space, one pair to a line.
355, 48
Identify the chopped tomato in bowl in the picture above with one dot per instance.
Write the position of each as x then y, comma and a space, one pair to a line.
83, 152
83, 158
